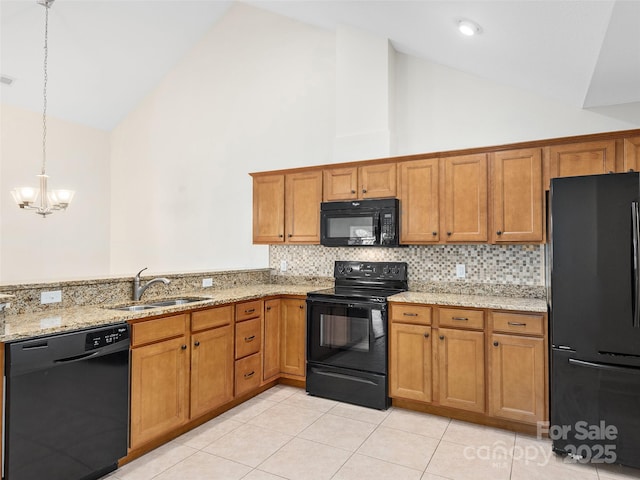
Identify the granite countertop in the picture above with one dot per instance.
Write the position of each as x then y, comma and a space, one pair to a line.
28, 325
476, 301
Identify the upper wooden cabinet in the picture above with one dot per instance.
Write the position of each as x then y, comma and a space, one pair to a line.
587, 158
517, 196
631, 161
464, 196
286, 208
418, 191
351, 183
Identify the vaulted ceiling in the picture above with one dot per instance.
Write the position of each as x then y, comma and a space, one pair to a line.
105, 56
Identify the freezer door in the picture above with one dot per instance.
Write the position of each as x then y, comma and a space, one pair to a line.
594, 410
594, 300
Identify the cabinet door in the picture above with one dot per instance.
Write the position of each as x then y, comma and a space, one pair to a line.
271, 339
631, 162
587, 158
377, 181
517, 196
293, 326
268, 209
461, 369
211, 369
340, 184
303, 198
419, 201
410, 362
465, 198
159, 389
516, 378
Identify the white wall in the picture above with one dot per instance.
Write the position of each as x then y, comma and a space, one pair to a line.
65, 245
257, 93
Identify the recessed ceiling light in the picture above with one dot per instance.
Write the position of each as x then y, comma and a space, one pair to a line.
469, 28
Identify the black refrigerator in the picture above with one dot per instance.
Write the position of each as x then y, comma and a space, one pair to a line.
594, 307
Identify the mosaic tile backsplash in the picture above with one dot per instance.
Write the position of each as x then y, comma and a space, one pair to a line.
490, 265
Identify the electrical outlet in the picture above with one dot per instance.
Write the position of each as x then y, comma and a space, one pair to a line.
283, 265
207, 282
460, 271
54, 296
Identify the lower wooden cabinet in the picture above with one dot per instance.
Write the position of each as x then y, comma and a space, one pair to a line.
248, 373
461, 369
271, 340
159, 389
293, 327
410, 362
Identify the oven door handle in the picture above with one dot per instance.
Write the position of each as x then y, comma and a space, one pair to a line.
349, 303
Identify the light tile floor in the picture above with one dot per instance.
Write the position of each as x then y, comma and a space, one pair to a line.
285, 434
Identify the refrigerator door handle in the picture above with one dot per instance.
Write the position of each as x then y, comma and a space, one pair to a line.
605, 366
635, 227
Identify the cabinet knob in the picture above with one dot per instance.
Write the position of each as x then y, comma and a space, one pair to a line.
498, 232
290, 235
434, 233
353, 191
196, 343
441, 337
364, 190
495, 344
268, 309
448, 234
281, 235
301, 306
183, 347
426, 335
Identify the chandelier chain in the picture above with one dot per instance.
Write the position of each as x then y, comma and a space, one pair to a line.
46, 78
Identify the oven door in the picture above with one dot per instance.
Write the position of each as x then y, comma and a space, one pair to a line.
346, 227
347, 334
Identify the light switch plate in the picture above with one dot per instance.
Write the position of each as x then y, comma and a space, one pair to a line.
283, 265
207, 282
460, 271
54, 296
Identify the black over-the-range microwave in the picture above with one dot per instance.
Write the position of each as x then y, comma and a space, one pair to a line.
360, 223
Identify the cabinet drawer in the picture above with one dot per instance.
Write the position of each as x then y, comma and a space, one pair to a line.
248, 338
457, 317
247, 310
418, 314
213, 317
518, 323
159, 329
248, 374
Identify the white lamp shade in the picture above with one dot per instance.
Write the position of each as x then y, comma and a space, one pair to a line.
62, 197
24, 195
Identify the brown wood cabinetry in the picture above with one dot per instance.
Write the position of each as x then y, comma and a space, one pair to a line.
586, 158
418, 191
369, 181
159, 377
631, 161
293, 326
517, 196
464, 196
461, 369
271, 340
248, 344
517, 367
286, 208
410, 370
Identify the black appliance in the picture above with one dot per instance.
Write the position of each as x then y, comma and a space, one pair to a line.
67, 403
360, 223
347, 329
595, 318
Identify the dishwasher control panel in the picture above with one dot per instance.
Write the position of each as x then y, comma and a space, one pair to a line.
106, 336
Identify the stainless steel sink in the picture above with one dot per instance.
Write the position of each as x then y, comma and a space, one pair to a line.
158, 304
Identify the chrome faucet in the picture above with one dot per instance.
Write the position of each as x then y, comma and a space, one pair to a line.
139, 290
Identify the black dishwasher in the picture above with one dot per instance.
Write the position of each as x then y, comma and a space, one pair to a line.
67, 404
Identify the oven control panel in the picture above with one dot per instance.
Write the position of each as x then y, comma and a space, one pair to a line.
371, 270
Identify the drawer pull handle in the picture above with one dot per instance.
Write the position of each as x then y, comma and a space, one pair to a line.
426, 335
495, 344
183, 347
517, 324
197, 343
251, 310
250, 374
462, 319
408, 314
249, 339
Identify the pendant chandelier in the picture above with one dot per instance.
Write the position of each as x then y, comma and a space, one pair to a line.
42, 200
